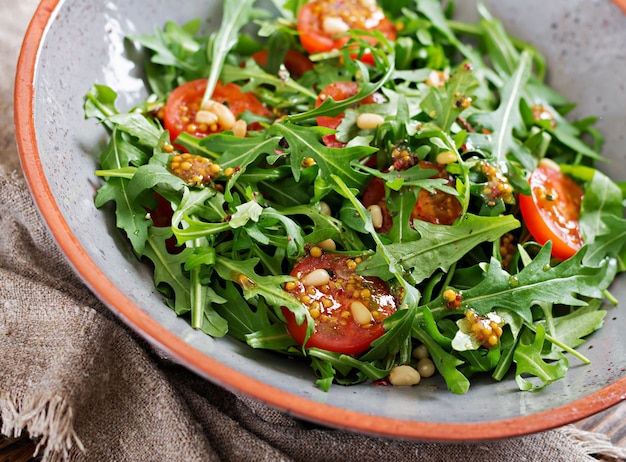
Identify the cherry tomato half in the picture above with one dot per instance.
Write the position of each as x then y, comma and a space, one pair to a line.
319, 21
438, 207
552, 209
184, 103
348, 309
339, 91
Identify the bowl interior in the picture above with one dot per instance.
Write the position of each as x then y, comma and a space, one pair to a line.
583, 42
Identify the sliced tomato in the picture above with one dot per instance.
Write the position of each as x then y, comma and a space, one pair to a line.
320, 21
438, 207
184, 103
348, 309
340, 91
552, 210
295, 62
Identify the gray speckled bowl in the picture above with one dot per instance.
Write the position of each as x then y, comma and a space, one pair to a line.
72, 44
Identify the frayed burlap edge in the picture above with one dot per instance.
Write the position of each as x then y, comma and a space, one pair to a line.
47, 420
593, 443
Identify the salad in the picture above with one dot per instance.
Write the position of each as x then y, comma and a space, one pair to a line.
375, 188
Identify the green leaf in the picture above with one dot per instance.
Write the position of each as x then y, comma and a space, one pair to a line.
234, 17
245, 212
537, 282
507, 116
529, 362
268, 287
439, 246
332, 108
120, 153
138, 126
602, 199
444, 105
306, 142
100, 103
130, 215
273, 337
164, 43
571, 329
255, 76
446, 363
343, 362
168, 268
150, 175
243, 319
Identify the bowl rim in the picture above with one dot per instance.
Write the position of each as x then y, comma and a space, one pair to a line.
219, 373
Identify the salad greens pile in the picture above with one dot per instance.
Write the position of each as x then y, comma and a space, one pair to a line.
239, 238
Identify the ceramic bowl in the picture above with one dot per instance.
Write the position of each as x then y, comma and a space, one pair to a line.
72, 44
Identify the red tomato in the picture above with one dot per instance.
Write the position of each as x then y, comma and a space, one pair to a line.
184, 102
438, 207
296, 63
552, 209
348, 309
319, 21
162, 218
339, 91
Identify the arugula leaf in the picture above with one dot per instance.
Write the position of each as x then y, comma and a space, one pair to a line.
269, 287
168, 268
242, 319
274, 337
439, 246
507, 116
255, 76
148, 176
172, 46
529, 361
602, 199
137, 125
234, 17
100, 103
444, 105
446, 363
130, 216
306, 142
571, 328
537, 282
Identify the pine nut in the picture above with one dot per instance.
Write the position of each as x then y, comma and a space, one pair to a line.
206, 117
327, 244
436, 79
360, 313
377, 215
240, 128
333, 25
369, 121
446, 157
549, 163
404, 376
325, 209
420, 352
225, 117
318, 277
426, 367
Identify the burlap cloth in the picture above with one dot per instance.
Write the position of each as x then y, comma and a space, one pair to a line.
76, 380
